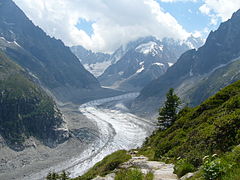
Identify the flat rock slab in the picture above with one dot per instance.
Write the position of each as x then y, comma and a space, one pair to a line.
160, 170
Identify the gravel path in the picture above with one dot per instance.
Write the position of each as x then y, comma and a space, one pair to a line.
161, 171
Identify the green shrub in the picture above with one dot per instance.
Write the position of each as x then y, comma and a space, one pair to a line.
129, 174
149, 176
225, 167
183, 167
214, 168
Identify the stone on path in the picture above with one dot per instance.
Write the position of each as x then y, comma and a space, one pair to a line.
160, 170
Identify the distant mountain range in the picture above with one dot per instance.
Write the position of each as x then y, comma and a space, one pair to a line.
96, 63
141, 61
200, 73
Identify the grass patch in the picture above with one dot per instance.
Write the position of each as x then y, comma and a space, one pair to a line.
149, 176
127, 174
183, 167
234, 174
133, 174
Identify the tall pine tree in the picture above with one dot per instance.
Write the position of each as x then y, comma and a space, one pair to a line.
168, 113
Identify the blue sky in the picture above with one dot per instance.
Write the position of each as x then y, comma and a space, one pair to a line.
189, 15
85, 25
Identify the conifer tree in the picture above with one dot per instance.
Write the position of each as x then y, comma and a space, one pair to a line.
168, 113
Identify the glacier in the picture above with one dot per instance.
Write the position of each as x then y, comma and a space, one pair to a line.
118, 129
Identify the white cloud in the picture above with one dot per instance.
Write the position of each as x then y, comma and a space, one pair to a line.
178, 0
197, 34
203, 33
219, 9
205, 9
115, 22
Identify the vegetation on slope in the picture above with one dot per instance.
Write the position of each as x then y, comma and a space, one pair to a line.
224, 167
210, 128
25, 110
108, 164
133, 174
54, 176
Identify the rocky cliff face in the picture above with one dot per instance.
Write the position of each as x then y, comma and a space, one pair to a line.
26, 110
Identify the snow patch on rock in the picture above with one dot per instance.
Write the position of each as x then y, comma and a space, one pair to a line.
150, 47
120, 73
159, 64
98, 68
4, 43
170, 64
140, 70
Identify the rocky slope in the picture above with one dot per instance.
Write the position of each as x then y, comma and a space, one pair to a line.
141, 61
220, 49
26, 110
45, 57
211, 83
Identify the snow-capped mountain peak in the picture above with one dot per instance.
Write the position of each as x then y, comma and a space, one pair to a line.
149, 47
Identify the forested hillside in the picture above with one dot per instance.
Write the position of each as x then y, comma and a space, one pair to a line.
25, 109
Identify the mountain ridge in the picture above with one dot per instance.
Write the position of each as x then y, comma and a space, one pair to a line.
141, 61
221, 47
46, 57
